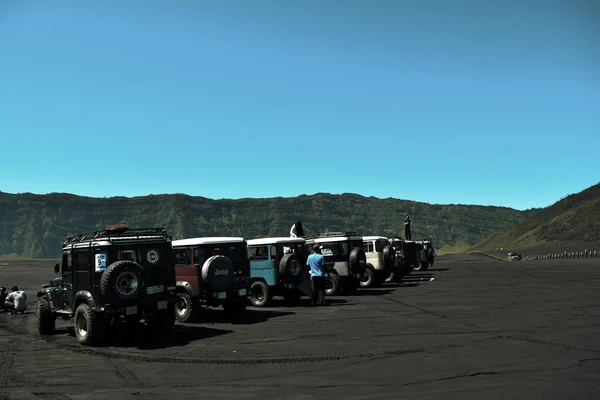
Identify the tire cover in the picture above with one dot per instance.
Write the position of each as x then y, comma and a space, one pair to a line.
389, 256
108, 280
290, 267
217, 271
357, 260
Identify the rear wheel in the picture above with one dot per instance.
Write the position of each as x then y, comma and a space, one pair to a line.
90, 327
260, 294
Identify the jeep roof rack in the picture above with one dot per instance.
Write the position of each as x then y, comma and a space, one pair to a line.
332, 234
118, 231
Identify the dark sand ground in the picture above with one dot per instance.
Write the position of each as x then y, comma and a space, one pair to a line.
483, 329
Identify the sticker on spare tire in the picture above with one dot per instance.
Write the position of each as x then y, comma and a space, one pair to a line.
152, 256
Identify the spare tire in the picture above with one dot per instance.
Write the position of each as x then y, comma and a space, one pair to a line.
389, 256
122, 281
358, 260
290, 268
217, 271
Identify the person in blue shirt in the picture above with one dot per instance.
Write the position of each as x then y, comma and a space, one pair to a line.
318, 275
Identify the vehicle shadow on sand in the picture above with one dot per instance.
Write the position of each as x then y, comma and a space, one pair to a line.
378, 291
251, 316
305, 302
137, 336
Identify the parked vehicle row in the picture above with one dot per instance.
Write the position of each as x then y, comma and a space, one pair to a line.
131, 275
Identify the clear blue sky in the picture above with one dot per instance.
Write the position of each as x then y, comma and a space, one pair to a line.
474, 102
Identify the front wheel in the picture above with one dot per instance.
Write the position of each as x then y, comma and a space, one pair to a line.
369, 280
90, 327
46, 319
332, 284
187, 308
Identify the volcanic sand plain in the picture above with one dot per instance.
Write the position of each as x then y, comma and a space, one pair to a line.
482, 328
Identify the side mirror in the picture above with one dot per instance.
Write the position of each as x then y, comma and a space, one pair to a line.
56, 268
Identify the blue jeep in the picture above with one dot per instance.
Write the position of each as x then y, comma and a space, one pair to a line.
277, 268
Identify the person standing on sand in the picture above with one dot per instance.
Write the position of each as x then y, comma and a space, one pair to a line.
407, 235
16, 301
318, 272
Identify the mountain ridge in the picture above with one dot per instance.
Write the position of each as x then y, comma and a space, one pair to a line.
34, 225
574, 218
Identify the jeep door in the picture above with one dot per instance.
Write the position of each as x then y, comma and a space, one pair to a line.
371, 253
261, 266
187, 270
68, 281
82, 269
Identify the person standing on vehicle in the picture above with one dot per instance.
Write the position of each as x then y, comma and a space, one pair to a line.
297, 230
407, 235
16, 301
318, 273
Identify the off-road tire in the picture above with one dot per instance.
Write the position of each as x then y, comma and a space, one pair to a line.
332, 280
235, 310
357, 260
162, 323
371, 277
109, 280
46, 320
217, 272
192, 309
390, 277
389, 257
93, 323
290, 268
421, 267
260, 294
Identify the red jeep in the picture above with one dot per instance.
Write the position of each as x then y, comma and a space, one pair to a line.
211, 271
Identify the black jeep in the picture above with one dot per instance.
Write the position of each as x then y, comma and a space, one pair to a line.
109, 276
345, 259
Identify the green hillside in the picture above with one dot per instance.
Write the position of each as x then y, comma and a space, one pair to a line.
35, 225
576, 218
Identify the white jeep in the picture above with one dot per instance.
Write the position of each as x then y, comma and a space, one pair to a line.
381, 260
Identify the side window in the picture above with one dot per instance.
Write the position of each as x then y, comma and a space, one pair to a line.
199, 256
259, 253
130, 255
273, 252
67, 264
378, 246
81, 260
182, 256
327, 249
